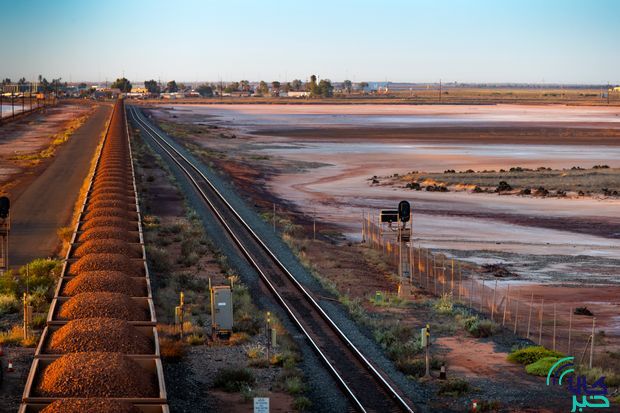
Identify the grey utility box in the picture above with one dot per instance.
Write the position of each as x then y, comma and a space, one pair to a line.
221, 311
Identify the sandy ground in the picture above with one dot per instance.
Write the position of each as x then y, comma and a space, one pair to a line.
30, 135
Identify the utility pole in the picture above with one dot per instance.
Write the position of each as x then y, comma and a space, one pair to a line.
439, 90
608, 92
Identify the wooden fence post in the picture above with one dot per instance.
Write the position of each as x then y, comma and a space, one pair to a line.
529, 319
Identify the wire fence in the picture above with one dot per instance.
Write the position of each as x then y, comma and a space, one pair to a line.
552, 324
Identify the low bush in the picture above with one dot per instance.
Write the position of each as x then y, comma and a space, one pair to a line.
158, 260
195, 340
412, 367
612, 378
532, 354
294, 385
483, 328
302, 404
233, 379
444, 304
255, 351
453, 387
8, 304
12, 337
541, 367
171, 349
246, 316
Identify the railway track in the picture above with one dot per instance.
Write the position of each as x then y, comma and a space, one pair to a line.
367, 388
99, 350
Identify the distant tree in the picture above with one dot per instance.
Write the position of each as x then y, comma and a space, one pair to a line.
182, 86
57, 85
21, 81
6, 81
296, 84
363, 85
312, 87
275, 88
325, 88
347, 85
122, 83
152, 86
287, 87
172, 86
205, 90
232, 87
263, 89
82, 85
44, 84
245, 85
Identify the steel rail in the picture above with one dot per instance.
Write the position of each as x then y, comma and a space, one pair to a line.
158, 139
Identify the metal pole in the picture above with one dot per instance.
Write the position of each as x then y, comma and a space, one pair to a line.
435, 273
529, 319
493, 303
592, 343
570, 327
517, 314
482, 296
471, 292
363, 228
554, 324
427, 270
452, 278
460, 281
540, 324
506, 306
314, 225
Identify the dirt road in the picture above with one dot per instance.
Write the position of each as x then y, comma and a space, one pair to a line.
47, 203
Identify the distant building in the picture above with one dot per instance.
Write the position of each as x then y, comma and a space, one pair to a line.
298, 94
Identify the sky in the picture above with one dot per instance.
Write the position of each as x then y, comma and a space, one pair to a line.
489, 41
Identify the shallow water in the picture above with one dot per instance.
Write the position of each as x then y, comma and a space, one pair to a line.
398, 115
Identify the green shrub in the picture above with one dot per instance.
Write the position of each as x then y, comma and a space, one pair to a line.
8, 284
612, 378
294, 385
412, 367
41, 273
195, 339
158, 259
541, 367
301, 404
483, 328
453, 387
444, 304
9, 304
532, 354
233, 379
245, 314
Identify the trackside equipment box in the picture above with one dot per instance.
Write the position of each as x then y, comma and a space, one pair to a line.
221, 311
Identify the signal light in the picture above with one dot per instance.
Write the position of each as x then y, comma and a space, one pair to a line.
404, 211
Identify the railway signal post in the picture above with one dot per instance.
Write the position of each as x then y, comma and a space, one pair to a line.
5, 227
